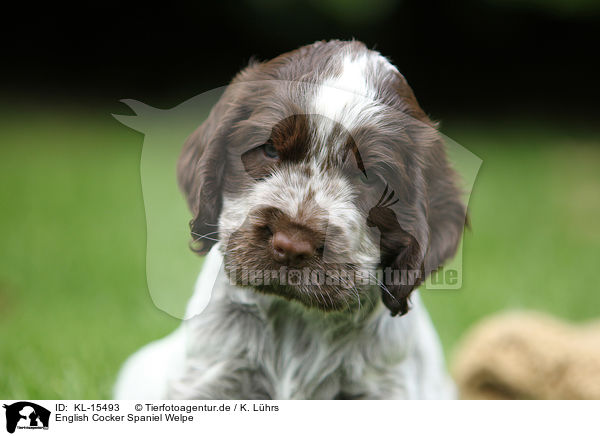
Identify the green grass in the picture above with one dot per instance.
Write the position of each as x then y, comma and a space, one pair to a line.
73, 296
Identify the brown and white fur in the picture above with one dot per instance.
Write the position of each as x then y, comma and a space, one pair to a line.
319, 160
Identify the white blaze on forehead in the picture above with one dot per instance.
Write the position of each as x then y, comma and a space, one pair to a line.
350, 98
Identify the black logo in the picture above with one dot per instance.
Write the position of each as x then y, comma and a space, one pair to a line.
26, 415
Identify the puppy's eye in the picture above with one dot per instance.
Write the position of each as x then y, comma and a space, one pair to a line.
270, 151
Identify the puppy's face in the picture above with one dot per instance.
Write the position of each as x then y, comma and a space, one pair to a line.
297, 216
316, 169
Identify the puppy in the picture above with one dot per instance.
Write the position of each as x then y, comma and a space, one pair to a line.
323, 196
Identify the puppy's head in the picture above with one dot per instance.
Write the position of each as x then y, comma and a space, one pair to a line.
318, 169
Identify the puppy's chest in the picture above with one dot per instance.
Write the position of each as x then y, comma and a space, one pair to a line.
299, 363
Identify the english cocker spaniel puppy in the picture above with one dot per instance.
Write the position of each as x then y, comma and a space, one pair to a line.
322, 194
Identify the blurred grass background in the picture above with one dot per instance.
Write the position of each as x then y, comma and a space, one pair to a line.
73, 297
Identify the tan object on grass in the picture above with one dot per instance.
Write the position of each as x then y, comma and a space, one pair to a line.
528, 355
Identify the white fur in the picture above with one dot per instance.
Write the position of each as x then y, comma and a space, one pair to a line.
348, 98
163, 360
147, 373
341, 98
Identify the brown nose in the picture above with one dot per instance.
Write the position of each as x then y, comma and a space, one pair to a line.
292, 249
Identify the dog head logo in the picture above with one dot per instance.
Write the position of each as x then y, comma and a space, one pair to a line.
26, 415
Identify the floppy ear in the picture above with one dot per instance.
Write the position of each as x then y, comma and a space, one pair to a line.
403, 242
430, 216
201, 170
429, 220
447, 214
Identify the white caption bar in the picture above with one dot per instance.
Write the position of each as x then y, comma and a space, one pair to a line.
299, 417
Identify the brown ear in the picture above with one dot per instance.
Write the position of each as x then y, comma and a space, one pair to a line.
400, 216
201, 168
430, 214
421, 242
200, 172
447, 214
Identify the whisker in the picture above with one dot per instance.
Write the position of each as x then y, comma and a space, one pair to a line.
353, 288
383, 286
205, 237
206, 234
